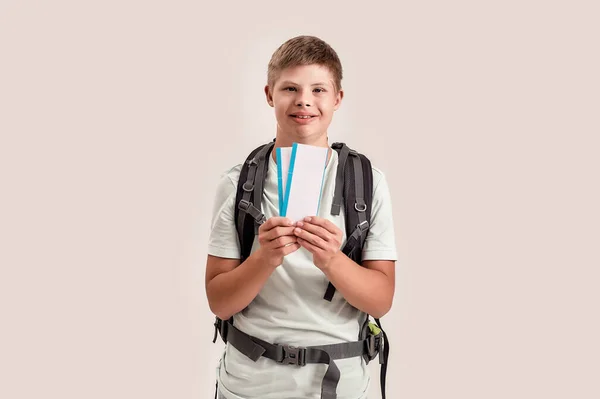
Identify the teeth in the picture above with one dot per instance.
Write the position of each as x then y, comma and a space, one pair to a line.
303, 116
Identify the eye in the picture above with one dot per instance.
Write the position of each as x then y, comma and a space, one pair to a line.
321, 90
288, 88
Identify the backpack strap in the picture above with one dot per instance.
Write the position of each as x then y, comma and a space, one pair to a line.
355, 179
381, 345
359, 234
383, 358
248, 216
253, 347
248, 213
343, 152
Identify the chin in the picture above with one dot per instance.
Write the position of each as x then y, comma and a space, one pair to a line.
310, 135
303, 133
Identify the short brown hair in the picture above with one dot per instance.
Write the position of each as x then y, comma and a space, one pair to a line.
305, 50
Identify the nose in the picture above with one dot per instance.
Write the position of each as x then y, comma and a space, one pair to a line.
303, 99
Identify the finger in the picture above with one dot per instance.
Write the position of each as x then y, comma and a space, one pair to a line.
310, 247
312, 238
274, 222
283, 241
278, 231
290, 248
315, 229
324, 223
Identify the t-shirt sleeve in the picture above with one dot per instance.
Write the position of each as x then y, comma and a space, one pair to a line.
381, 241
223, 241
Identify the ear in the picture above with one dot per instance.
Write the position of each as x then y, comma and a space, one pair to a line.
338, 100
269, 95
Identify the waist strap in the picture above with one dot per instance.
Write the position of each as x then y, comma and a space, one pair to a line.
254, 348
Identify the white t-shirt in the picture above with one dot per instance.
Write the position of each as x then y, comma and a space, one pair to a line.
290, 308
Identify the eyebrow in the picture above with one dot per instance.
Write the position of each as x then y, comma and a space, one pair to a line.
287, 82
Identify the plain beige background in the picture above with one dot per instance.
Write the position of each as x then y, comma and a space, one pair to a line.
118, 117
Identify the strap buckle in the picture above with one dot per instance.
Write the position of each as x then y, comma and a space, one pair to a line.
244, 205
374, 345
295, 355
248, 207
363, 226
221, 328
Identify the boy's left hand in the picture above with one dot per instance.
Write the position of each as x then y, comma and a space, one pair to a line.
321, 237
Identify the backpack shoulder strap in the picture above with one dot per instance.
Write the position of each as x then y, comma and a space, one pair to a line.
354, 180
247, 215
248, 212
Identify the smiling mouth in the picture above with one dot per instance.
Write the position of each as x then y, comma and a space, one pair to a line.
303, 116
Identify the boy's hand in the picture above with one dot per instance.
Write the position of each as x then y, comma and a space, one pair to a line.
276, 238
321, 237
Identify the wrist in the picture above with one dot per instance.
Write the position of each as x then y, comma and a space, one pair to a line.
333, 262
260, 258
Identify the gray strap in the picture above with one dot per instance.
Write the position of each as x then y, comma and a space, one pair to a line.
360, 204
260, 172
244, 344
245, 201
342, 350
339, 180
253, 185
259, 182
280, 353
359, 231
253, 211
254, 347
330, 379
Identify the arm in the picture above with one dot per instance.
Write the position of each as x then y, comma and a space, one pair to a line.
369, 288
231, 286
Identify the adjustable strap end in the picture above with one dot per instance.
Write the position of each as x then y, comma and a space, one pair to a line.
329, 293
327, 394
256, 352
382, 356
335, 209
216, 332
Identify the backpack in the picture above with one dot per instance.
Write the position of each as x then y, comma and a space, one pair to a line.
353, 188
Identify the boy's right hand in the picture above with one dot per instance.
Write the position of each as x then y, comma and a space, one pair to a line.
276, 239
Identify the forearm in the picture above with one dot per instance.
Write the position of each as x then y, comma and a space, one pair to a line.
230, 292
366, 289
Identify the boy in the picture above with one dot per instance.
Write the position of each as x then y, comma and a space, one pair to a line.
276, 294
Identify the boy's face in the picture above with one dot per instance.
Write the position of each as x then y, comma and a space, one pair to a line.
300, 91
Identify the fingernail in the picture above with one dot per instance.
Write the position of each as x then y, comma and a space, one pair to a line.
297, 230
307, 218
299, 224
